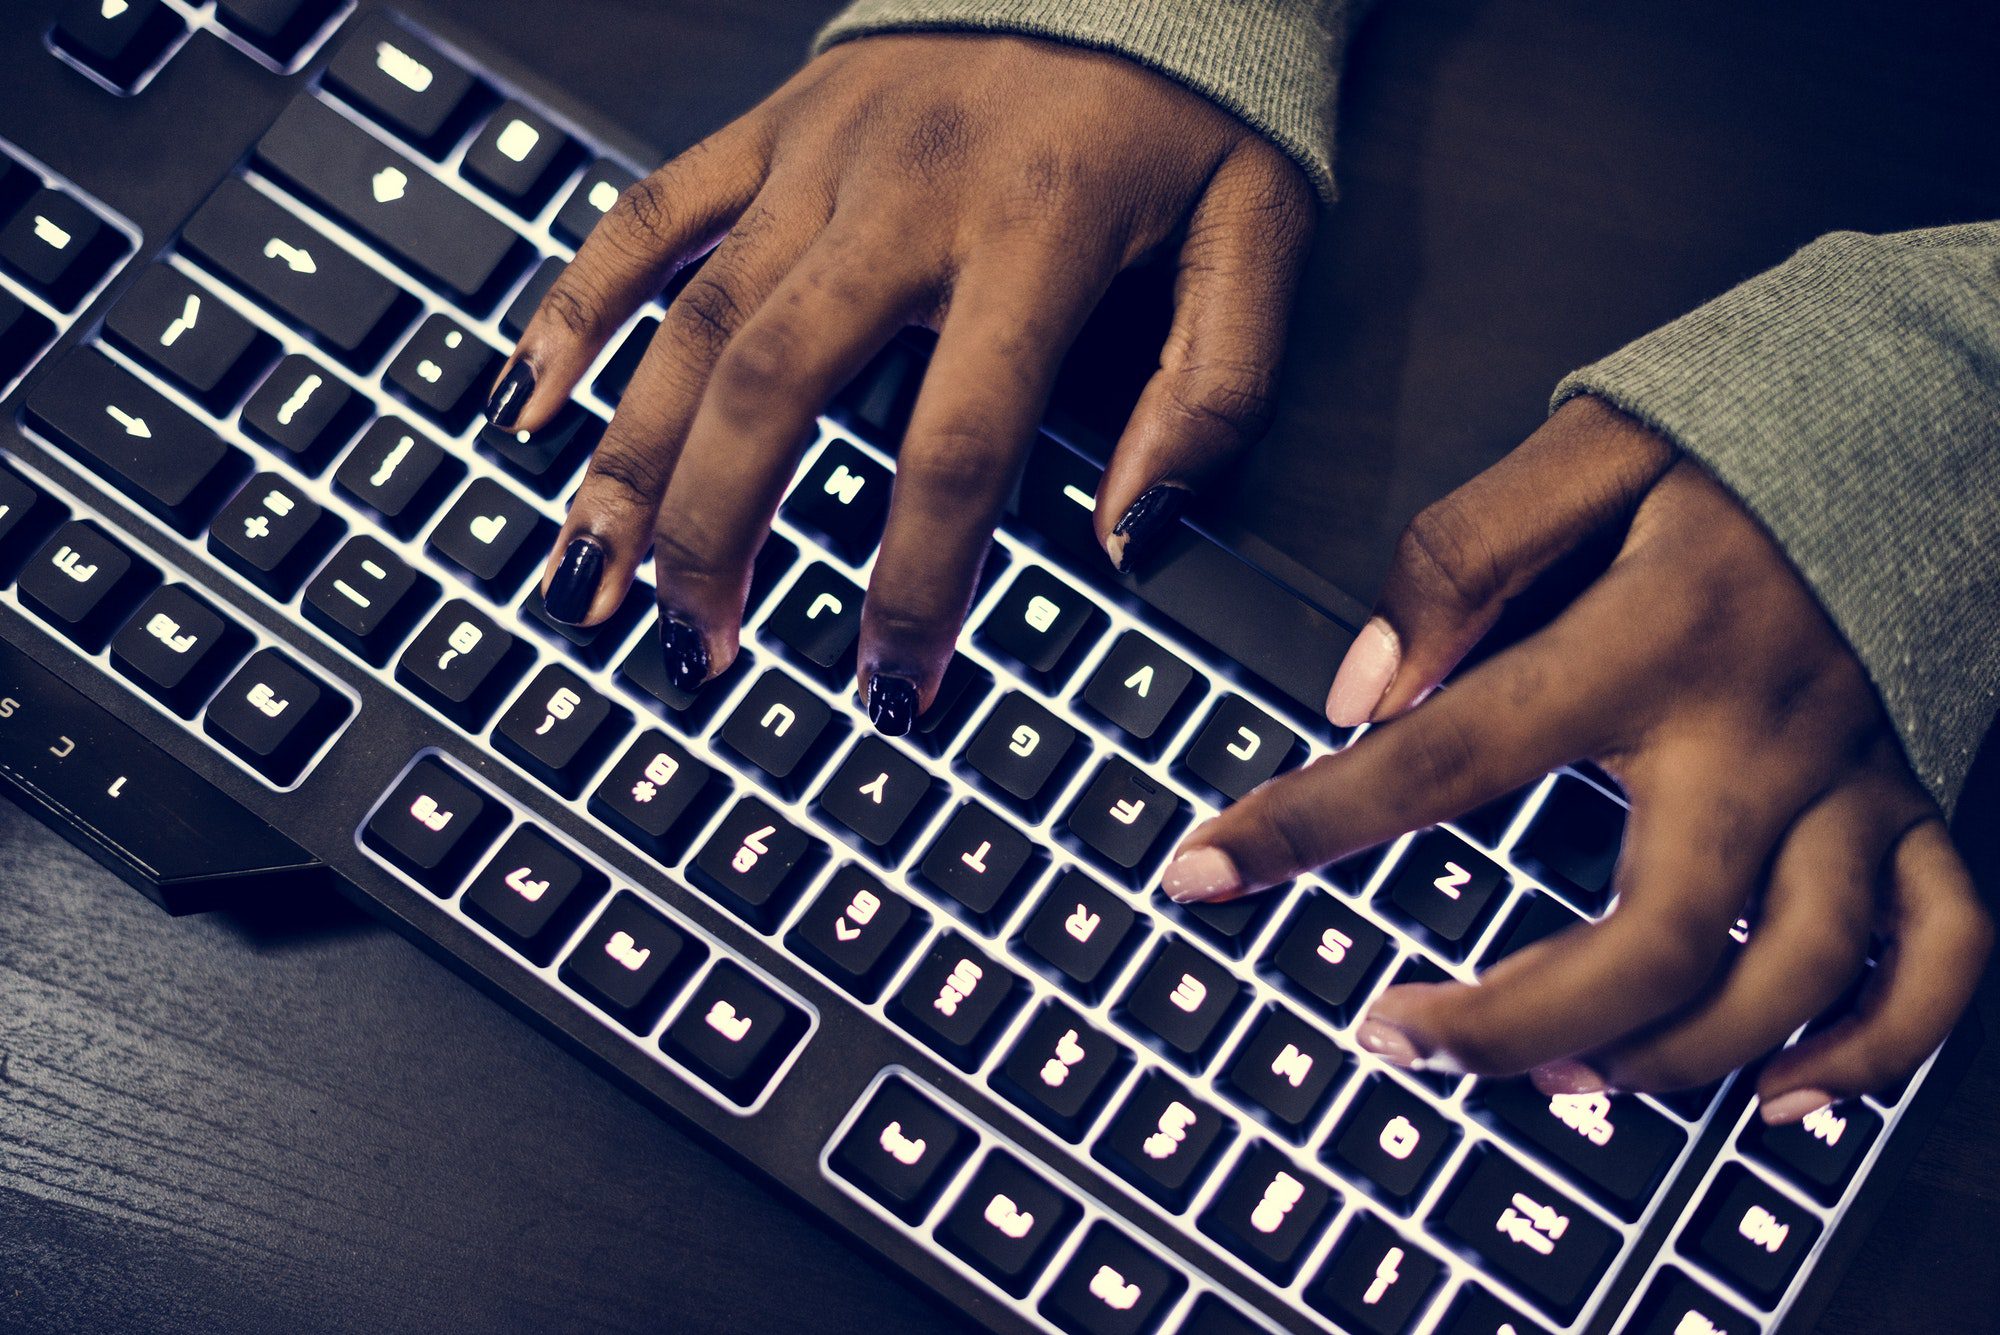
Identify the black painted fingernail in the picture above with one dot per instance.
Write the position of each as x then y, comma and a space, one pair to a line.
686, 656
1148, 524
892, 704
574, 586
511, 395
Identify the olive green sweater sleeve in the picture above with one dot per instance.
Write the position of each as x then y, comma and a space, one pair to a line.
1850, 398
1273, 63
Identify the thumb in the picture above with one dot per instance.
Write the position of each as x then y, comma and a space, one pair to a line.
1464, 556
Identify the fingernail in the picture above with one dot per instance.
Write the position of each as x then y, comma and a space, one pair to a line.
1364, 675
1795, 1106
511, 395
1200, 874
1564, 1076
892, 704
1145, 526
1389, 1043
574, 585
685, 653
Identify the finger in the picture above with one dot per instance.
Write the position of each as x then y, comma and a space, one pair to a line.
1691, 861
1462, 558
1014, 312
658, 225
1940, 938
610, 523
1809, 944
836, 308
1211, 397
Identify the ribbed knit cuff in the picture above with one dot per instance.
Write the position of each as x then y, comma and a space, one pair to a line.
1272, 63
1850, 398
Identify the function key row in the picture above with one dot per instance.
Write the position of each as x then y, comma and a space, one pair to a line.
123, 43
55, 248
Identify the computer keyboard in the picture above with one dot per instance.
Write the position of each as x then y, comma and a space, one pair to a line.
270, 607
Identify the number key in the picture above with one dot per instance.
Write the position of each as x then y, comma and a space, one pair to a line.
855, 931
558, 729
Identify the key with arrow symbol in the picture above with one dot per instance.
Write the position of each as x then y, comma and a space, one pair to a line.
296, 259
134, 426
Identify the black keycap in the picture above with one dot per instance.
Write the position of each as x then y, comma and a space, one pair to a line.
879, 795
1676, 1305
1446, 888
1284, 1071
1612, 1143
1083, 931
399, 473
1020, 750
444, 372
1142, 689
842, 500
559, 728
856, 931
593, 646
1376, 1281
956, 1000
1477, 1312
1232, 925
1389, 1140
402, 81
297, 270
735, 1032
1751, 1234
389, 199
1487, 822
178, 647
274, 716
756, 862
593, 197
1820, 1153
1007, 1221
278, 28
1571, 845
545, 459
514, 320
902, 1149
1212, 1316
961, 691
1061, 1070
1238, 747
1123, 819
493, 536
189, 335
532, 893
1183, 998
83, 583
981, 863
434, 826
656, 795
367, 599
1163, 1140
1268, 1212
623, 363
16, 184
630, 961
1327, 954
27, 516
645, 669
1536, 917
1111, 1285
1529, 1233
58, 248
305, 410
137, 439
273, 534
520, 157
1042, 626
24, 332
817, 623
117, 42
783, 729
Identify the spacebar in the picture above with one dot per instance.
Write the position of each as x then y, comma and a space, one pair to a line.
173, 836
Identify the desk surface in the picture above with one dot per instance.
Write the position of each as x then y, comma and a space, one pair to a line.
292, 1119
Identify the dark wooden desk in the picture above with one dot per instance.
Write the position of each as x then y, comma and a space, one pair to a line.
294, 1121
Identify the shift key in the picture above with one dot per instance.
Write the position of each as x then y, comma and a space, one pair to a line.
391, 200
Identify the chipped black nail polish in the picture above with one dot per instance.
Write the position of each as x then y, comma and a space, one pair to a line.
685, 654
511, 395
892, 704
1148, 524
574, 586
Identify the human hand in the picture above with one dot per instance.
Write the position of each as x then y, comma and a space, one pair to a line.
988, 187
1765, 781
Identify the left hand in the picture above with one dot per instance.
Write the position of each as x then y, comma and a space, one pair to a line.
1701, 673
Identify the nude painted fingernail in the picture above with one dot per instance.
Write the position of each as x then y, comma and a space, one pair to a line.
1364, 675
1564, 1076
1200, 874
1389, 1043
1795, 1106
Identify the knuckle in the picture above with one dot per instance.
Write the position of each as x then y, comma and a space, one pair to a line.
572, 307
1436, 755
636, 475
683, 553
1445, 551
706, 315
647, 206
935, 141
1285, 824
953, 463
754, 367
